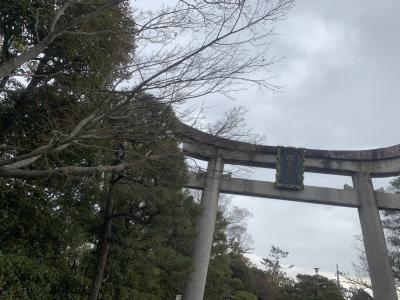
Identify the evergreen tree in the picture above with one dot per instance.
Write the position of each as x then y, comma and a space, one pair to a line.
360, 294
314, 287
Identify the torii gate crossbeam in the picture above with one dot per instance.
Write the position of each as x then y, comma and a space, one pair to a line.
361, 165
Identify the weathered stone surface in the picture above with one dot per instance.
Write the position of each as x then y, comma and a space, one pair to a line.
374, 240
347, 197
194, 289
193, 135
382, 162
361, 165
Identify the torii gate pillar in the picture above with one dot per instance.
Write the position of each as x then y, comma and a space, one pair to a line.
374, 240
194, 289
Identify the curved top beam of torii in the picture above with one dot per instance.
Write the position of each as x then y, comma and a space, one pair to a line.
380, 162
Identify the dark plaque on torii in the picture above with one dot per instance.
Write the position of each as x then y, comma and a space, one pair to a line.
290, 168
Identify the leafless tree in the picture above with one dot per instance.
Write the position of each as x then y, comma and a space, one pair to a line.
360, 273
233, 126
183, 51
239, 241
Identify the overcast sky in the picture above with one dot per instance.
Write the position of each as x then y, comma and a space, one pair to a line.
341, 87
340, 79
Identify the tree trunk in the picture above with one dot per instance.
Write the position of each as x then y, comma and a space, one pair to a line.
9, 66
24, 100
104, 241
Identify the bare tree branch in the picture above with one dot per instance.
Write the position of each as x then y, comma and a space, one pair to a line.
76, 170
185, 51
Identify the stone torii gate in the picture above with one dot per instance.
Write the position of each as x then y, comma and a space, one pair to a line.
360, 165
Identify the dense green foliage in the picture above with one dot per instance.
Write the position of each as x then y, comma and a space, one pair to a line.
46, 241
51, 228
360, 294
314, 287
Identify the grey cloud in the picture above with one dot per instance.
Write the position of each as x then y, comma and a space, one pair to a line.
341, 91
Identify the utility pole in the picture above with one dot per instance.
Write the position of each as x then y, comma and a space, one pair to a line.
342, 292
337, 276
